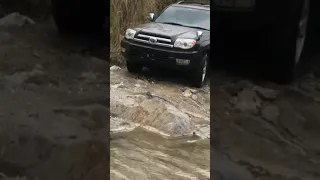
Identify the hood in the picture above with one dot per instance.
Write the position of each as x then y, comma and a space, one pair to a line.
172, 31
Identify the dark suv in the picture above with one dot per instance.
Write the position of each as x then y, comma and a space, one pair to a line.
177, 38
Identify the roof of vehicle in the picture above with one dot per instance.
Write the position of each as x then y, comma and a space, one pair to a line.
194, 5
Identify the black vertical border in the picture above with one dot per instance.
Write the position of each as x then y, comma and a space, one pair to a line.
107, 37
212, 26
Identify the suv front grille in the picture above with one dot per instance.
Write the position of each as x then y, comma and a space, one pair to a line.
154, 40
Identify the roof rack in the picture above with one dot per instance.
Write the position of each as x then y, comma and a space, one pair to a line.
190, 2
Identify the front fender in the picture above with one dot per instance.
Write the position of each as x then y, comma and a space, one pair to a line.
205, 45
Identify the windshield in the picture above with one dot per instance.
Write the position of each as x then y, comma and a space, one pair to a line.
185, 17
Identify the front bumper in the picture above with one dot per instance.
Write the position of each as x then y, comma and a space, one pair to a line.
149, 55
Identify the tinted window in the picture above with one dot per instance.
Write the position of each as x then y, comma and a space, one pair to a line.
186, 16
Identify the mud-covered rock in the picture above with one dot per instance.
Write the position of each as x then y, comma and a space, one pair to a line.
114, 68
266, 93
247, 102
15, 19
187, 93
153, 112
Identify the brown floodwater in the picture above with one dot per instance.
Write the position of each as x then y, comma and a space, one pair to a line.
141, 154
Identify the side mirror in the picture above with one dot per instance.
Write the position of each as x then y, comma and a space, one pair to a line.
199, 34
151, 16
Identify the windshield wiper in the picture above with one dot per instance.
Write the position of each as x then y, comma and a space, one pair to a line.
172, 23
197, 27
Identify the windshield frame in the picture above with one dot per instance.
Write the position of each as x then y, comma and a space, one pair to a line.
186, 7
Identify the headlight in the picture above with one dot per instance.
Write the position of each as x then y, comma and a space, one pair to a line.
130, 33
184, 43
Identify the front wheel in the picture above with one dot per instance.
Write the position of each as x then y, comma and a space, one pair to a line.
200, 74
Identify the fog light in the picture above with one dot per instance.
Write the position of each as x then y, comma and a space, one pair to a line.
123, 50
183, 61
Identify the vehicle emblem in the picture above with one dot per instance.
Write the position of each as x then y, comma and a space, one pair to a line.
153, 40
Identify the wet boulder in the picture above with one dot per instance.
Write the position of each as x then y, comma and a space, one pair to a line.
152, 112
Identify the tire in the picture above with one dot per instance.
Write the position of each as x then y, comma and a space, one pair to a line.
79, 16
200, 74
134, 67
288, 36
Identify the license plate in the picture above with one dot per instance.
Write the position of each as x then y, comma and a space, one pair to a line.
183, 61
235, 3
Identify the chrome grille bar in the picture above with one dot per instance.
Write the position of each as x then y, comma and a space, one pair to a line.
161, 39
155, 43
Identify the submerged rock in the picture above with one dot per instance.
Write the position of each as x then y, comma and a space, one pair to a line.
154, 113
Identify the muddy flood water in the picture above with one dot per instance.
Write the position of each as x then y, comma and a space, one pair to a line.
158, 130
141, 154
